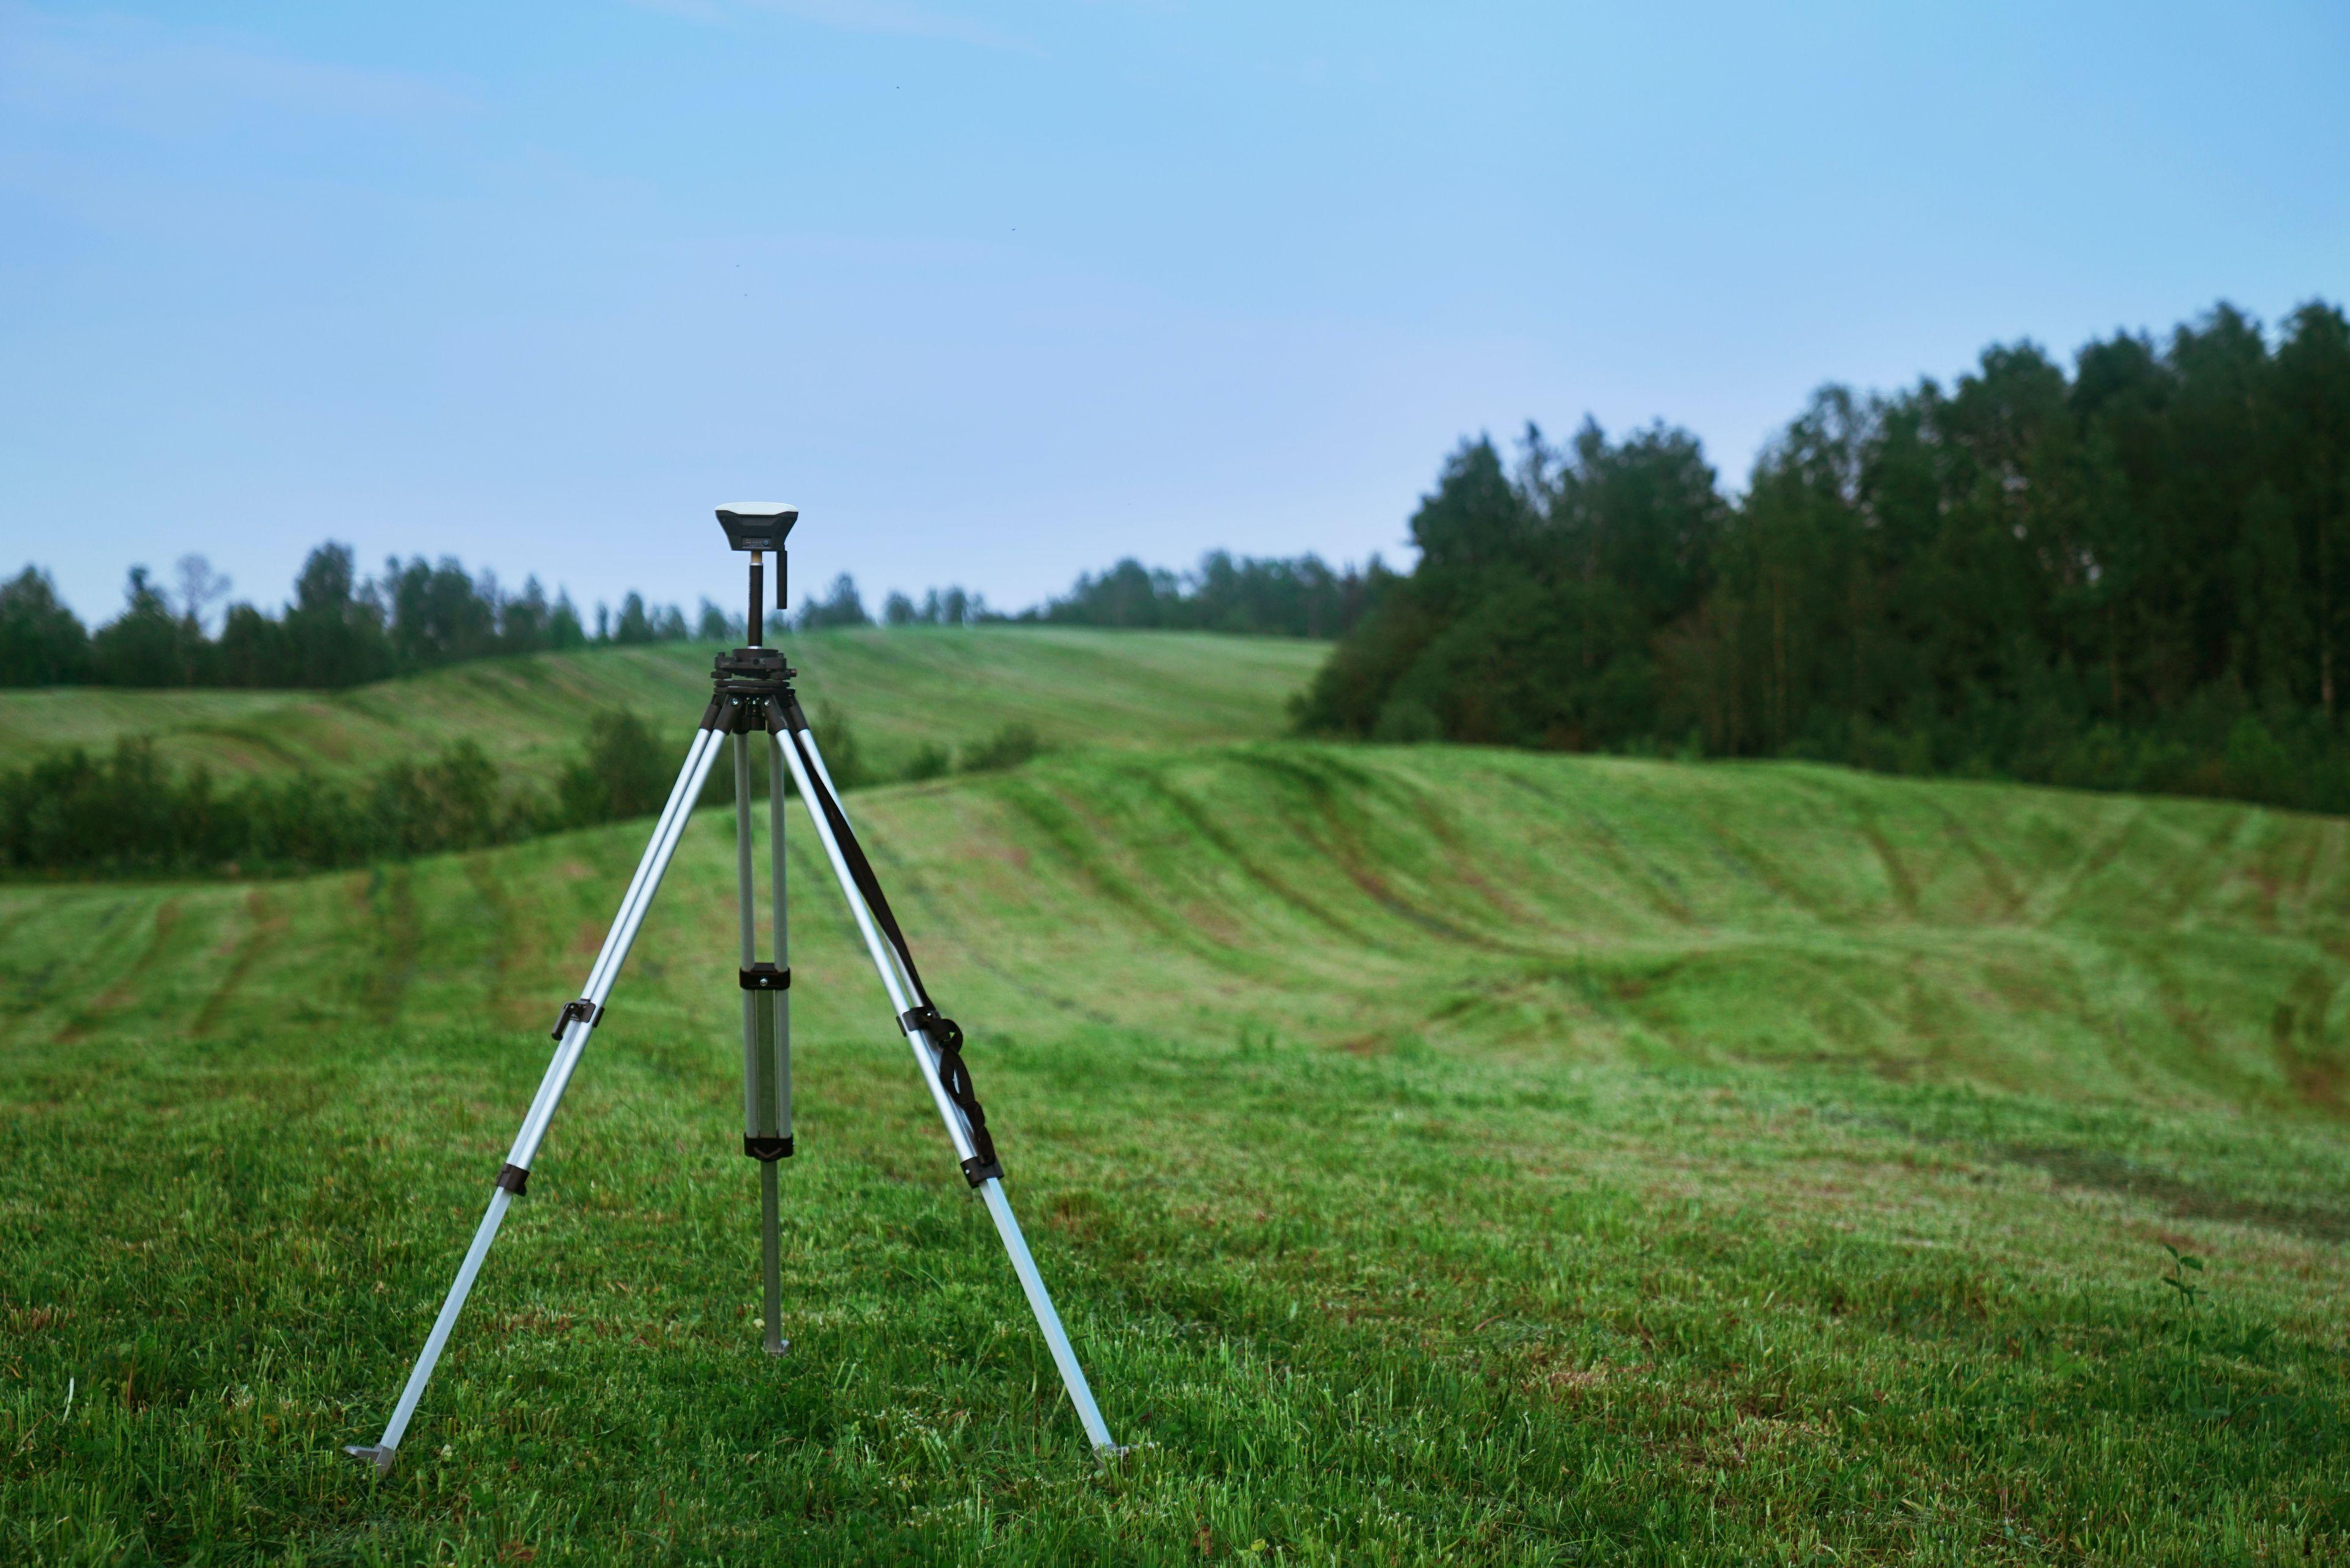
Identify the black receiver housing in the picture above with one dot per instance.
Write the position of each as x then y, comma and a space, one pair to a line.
758, 524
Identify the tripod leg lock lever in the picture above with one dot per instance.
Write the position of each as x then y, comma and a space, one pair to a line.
767, 1148
579, 1007
513, 1177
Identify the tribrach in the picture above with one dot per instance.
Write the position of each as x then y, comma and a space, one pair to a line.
752, 695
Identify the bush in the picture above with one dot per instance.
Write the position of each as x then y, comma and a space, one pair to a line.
929, 761
1406, 720
1007, 748
619, 772
837, 739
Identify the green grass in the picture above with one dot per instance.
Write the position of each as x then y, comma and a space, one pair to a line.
1072, 685
1438, 1154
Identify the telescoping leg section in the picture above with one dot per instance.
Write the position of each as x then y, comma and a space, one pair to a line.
766, 1031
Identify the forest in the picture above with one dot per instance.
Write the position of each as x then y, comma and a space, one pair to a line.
2129, 575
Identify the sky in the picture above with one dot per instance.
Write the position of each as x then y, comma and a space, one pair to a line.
1000, 294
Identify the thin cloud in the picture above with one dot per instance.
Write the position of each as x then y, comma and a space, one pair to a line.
889, 17
125, 70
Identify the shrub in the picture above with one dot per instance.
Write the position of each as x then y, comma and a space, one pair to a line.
619, 772
929, 761
1008, 747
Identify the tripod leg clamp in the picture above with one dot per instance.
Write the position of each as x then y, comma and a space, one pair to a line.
767, 1148
579, 1007
765, 976
723, 714
512, 1179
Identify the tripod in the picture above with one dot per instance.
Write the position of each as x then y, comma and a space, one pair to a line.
752, 694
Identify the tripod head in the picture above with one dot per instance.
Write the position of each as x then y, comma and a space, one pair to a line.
759, 526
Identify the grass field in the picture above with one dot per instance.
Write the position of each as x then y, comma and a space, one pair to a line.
1438, 1154
1072, 685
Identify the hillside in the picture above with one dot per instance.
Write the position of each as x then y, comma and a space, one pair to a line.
898, 686
1436, 1152
2143, 948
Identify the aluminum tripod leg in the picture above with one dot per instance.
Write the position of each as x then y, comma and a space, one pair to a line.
579, 1025
770, 1201
999, 1208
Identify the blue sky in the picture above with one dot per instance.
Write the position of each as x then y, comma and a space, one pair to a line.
997, 294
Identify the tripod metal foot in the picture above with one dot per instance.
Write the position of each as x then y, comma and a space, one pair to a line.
373, 1454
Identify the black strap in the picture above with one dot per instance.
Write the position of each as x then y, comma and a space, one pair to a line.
860, 870
944, 1034
954, 1077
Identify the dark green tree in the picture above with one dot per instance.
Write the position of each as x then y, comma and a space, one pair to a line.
622, 771
336, 636
146, 645
254, 650
634, 626
522, 618
42, 642
438, 614
563, 629
840, 607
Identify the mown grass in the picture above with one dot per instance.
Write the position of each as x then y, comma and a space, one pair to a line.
951, 686
1437, 1154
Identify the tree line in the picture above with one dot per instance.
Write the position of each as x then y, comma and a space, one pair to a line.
1252, 596
2133, 573
1247, 596
340, 630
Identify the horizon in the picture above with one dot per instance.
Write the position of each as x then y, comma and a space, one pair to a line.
1000, 301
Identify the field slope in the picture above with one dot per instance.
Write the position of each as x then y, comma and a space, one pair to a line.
898, 687
1439, 1154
